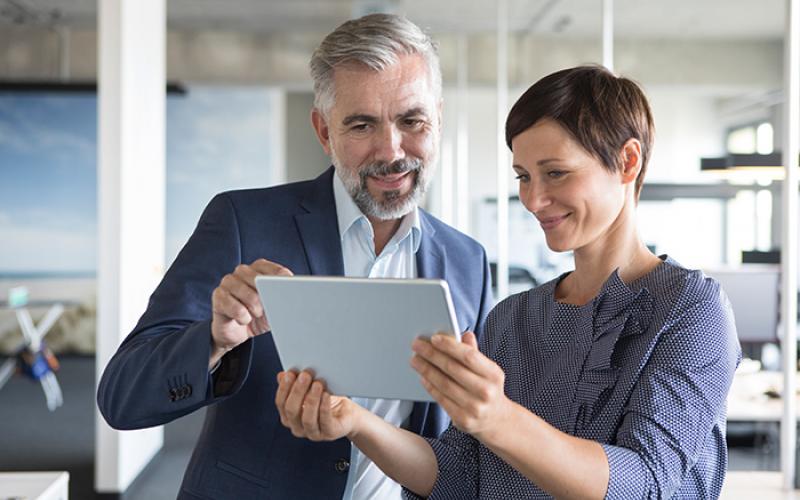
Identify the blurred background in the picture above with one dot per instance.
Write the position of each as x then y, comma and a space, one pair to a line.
237, 116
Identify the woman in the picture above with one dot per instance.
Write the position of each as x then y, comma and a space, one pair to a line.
609, 381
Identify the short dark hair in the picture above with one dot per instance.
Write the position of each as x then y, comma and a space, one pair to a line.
600, 110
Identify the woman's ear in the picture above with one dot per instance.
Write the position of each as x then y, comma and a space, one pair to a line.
631, 159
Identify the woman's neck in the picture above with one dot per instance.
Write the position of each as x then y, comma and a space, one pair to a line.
620, 249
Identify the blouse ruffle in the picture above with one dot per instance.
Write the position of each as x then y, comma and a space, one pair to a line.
618, 312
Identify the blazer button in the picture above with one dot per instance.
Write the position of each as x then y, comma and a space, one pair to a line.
341, 465
173, 395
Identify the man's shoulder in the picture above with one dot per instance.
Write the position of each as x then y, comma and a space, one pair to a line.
282, 196
450, 236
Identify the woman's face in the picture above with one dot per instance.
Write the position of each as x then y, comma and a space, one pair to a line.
577, 201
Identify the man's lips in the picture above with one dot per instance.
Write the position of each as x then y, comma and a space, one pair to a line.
391, 181
551, 222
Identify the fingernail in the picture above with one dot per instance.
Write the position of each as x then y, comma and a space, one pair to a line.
437, 339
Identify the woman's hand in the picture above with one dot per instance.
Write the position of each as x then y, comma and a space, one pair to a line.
467, 384
309, 411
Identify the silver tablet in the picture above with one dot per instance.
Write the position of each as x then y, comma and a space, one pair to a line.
356, 333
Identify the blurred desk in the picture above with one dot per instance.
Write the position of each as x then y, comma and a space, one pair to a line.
748, 399
34, 485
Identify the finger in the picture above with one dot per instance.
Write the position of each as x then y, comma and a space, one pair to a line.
443, 383
325, 414
223, 303
285, 382
294, 402
310, 417
446, 363
264, 266
242, 291
469, 339
442, 399
247, 274
466, 354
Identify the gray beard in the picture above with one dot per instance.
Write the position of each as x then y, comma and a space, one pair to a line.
392, 205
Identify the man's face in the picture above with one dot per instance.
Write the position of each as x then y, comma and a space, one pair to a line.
382, 134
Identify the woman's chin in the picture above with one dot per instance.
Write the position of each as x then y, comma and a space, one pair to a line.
558, 245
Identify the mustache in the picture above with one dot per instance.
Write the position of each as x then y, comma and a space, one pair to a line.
396, 167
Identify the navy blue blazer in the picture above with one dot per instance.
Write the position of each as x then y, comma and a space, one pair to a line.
160, 371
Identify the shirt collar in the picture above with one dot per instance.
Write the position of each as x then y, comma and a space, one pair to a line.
348, 214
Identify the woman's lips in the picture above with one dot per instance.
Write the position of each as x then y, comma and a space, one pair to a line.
551, 222
391, 181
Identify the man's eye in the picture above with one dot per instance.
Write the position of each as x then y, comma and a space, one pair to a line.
413, 122
360, 127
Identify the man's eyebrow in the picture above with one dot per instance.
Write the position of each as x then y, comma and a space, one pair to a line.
359, 118
419, 110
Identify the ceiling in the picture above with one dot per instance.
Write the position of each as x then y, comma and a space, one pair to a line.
671, 19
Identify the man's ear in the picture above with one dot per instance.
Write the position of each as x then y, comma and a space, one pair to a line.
439, 111
631, 160
321, 128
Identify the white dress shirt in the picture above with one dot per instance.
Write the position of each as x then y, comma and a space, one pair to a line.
397, 260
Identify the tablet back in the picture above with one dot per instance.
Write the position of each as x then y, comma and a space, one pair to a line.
356, 333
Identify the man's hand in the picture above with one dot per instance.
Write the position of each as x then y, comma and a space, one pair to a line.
236, 307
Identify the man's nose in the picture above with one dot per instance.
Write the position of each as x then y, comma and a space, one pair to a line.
388, 145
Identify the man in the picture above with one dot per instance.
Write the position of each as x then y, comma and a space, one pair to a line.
201, 342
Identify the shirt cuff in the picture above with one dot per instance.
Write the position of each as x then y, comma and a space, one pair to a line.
627, 475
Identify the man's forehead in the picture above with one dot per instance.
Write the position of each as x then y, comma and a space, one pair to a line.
397, 89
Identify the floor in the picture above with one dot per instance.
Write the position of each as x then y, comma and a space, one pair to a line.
64, 440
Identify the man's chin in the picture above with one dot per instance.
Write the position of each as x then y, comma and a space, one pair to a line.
390, 206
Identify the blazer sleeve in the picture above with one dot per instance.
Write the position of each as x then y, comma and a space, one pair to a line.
160, 371
487, 298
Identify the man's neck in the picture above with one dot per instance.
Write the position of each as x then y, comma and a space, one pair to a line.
383, 231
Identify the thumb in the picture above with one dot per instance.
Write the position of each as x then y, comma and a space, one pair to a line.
469, 339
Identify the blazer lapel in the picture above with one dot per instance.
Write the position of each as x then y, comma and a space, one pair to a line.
431, 256
426, 419
319, 228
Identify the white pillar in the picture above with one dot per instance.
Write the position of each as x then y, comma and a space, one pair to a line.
502, 157
463, 202
131, 158
608, 34
791, 151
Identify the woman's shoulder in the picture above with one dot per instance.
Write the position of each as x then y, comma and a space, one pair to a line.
678, 283
678, 290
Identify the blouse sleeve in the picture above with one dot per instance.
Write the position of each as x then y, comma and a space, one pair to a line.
675, 405
457, 458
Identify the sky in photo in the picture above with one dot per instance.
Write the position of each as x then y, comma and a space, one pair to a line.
218, 138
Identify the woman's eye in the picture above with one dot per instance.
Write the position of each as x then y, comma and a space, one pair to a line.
521, 177
555, 174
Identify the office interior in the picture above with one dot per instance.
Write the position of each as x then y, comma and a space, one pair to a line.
235, 114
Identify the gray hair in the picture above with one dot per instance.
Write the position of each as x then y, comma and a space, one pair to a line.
375, 40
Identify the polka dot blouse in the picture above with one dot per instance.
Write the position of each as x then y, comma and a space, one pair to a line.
644, 369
